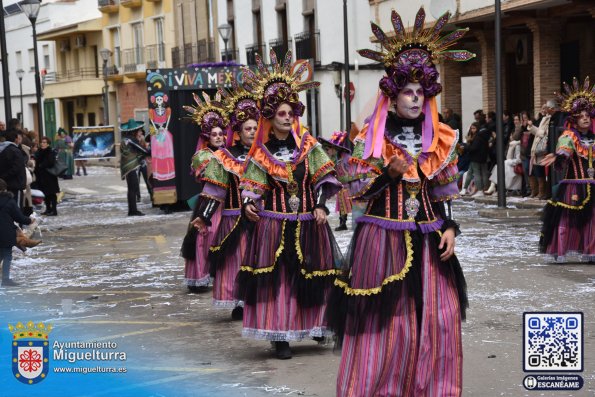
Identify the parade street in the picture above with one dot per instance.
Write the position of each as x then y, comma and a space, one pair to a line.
102, 276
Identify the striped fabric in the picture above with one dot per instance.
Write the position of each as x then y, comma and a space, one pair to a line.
282, 319
406, 358
197, 271
570, 240
343, 205
225, 277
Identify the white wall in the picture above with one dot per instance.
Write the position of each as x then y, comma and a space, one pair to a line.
471, 96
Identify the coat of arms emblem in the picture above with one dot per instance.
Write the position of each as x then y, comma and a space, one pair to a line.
30, 351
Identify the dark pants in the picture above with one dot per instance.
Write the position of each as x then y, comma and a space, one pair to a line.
133, 190
143, 171
51, 203
6, 258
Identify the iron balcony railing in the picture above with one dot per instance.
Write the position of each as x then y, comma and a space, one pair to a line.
280, 47
73, 74
133, 59
254, 49
154, 55
199, 52
307, 46
230, 55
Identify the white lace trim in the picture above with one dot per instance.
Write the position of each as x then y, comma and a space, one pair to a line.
285, 336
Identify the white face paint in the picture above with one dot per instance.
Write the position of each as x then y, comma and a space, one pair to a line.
409, 102
217, 137
583, 121
248, 132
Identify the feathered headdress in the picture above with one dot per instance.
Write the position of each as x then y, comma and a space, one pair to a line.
410, 56
278, 85
576, 99
241, 105
208, 113
339, 140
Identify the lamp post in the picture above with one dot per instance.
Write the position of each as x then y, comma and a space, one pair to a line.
225, 33
346, 66
31, 10
499, 105
105, 55
4, 56
20, 74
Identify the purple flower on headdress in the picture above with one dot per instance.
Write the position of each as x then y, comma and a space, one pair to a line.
246, 109
209, 121
277, 94
398, 77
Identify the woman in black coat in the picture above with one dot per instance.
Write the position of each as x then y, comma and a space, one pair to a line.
9, 214
45, 158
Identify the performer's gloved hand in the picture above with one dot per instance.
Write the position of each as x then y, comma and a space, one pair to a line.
396, 167
447, 242
200, 225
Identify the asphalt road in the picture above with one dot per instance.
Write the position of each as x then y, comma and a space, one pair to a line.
101, 276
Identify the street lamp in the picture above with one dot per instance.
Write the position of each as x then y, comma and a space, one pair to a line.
225, 32
31, 9
105, 55
20, 74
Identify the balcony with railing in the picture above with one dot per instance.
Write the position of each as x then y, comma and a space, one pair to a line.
72, 74
155, 56
133, 60
192, 53
307, 46
280, 47
230, 55
108, 6
254, 49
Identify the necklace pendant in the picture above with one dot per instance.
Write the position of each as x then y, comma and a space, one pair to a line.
294, 203
412, 207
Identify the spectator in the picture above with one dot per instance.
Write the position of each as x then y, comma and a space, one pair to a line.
478, 154
479, 116
466, 156
539, 150
12, 165
14, 124
507, 126
490, 126
453, 120
2, 126
9, 214
45, 158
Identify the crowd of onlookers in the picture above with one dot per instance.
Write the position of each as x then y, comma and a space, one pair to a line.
526, 142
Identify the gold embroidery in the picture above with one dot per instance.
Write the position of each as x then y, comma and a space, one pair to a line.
395, 277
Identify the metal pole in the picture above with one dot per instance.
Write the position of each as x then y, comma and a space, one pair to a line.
37, 83
5, 80
342, 109
105, 97
499, 132
21, 98
346, 66
225, 42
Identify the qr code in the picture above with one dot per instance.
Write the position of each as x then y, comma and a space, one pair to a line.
553, 342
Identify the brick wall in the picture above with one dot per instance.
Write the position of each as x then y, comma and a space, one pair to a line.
546, 59
131, 96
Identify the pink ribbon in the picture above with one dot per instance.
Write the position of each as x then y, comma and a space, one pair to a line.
375, 132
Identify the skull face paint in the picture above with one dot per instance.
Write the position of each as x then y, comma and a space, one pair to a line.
409, 102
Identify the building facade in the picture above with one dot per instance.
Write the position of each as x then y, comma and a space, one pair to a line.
545, 42
140, 36
76, 82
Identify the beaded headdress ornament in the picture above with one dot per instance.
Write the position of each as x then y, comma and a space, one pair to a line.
241, 105
278, 85
208, 113
576, 99
410, 56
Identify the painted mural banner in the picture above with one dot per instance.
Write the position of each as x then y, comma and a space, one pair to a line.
161, 84
97, 142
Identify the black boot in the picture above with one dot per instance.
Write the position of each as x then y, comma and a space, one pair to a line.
282, 350
342, 223
237, 313
53, 205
